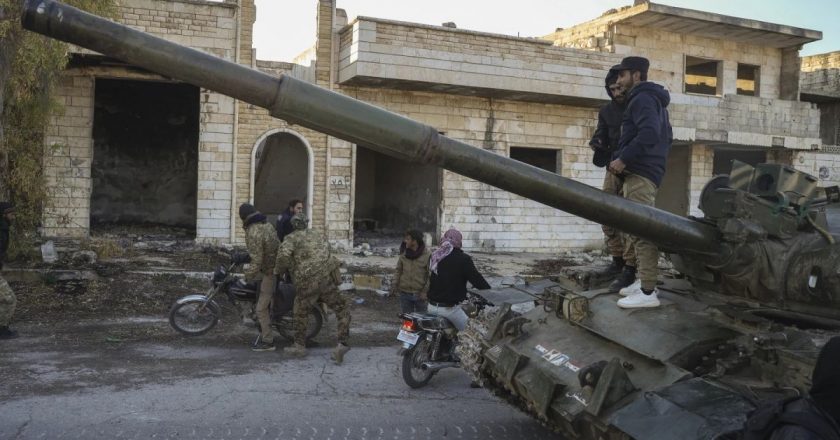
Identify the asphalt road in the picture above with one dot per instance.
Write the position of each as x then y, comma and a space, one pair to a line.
147, 386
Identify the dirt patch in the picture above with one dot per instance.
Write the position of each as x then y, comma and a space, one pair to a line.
550, 266
124, 295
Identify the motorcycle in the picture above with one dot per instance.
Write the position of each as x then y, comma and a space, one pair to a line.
429, 342
196, 314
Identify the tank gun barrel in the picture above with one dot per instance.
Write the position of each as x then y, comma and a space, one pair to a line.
355, 121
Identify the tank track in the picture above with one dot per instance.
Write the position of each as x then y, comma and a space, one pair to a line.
471, 348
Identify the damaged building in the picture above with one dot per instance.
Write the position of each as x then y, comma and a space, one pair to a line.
134, 148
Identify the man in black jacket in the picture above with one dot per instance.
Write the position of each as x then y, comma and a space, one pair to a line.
451, 269
284, 222
812, 417
644, 145
8, 301
604, 144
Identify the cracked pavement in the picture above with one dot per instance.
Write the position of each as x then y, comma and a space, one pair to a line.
136, 378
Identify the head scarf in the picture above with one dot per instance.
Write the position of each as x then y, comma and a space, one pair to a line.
451, 240
825, 388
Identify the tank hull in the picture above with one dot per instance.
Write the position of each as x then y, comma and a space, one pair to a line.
690, 369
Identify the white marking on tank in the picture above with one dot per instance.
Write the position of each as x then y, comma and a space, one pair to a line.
556, 358
578, 397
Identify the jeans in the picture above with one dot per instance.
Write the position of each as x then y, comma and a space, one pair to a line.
455, 315
411, 302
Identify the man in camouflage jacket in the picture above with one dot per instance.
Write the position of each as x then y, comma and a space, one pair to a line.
261, 240
306, 253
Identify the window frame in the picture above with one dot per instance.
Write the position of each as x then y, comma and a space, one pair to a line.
718, 76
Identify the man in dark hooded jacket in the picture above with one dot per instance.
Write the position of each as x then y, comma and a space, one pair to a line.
604, 144
644, 144
812, 417
823, 402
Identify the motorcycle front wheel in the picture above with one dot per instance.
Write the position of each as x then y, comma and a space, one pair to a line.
194, 317
412, 372
285, 325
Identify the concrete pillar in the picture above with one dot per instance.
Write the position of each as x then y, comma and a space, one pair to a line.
789, 78
324, 42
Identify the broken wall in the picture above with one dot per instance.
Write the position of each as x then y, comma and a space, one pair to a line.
490, 218
145, 156
206, 26
398, 195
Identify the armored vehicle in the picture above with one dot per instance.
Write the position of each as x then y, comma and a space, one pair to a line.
758, 295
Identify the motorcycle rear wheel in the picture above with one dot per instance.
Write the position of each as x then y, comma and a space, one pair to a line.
412, 372
194, 317
285, 325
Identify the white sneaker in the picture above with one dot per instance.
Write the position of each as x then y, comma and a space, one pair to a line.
632, 289
640, 301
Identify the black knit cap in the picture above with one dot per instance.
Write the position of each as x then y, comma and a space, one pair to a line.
6, 207
612, 76
245, 210
634, 63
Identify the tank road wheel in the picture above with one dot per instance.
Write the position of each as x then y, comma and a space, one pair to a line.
471, 350
413, 375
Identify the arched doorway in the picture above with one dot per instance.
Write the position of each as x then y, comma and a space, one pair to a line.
281, 170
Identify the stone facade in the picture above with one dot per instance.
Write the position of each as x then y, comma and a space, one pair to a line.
820, 83
495, 92
207, 26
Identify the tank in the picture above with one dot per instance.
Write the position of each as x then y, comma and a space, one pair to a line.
757, 295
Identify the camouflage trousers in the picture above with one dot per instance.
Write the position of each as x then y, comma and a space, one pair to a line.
642, 190
8, 302
612, 237
308, 295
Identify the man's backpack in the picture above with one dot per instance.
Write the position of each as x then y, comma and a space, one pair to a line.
769, 416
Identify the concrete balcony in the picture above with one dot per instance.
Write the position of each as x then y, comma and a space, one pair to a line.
409, 56
745, 120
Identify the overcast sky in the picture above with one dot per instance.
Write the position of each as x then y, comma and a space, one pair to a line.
285, 28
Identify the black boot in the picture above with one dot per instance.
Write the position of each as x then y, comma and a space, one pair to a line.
624, 279
615, 267
7, 333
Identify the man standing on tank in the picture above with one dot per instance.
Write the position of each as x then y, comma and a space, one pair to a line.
604, 145
645, 142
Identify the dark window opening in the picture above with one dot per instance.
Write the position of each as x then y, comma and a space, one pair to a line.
145, 156
702, 76
544, 158
281, 174
722, 163
392, 196
747, 81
